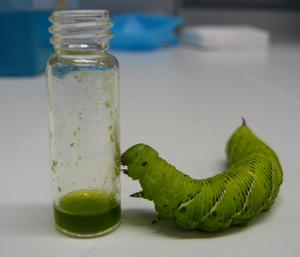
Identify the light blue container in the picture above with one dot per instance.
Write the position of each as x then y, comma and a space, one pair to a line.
141, 31
24, 42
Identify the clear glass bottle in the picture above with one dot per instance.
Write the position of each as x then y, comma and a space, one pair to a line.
83, 98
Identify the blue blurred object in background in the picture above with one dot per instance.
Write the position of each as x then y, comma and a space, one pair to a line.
138, 32
24, 42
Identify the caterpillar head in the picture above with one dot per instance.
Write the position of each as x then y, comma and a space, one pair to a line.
137, 158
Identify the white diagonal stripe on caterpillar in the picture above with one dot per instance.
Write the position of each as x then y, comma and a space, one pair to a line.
246, 198
214, 207
184, 204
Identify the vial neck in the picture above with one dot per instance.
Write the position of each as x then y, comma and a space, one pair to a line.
80, 33
81, 50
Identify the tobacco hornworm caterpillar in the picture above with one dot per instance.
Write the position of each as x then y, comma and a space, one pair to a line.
248, 187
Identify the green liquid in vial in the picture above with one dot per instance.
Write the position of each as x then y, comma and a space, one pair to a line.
87, 213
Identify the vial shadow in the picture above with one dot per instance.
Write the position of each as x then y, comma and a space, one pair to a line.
27, 220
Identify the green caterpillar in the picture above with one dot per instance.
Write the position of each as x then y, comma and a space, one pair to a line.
248, 187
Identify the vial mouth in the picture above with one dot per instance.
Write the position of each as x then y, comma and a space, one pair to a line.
84, 30
79, 17
92, 12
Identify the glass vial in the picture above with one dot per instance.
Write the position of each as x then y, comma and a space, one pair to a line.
83, 99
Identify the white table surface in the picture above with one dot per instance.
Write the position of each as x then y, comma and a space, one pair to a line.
185, 103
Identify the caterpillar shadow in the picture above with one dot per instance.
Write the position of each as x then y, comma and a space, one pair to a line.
143, 218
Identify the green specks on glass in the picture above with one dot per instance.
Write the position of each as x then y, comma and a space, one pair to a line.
107, 104
53, 165
79, 157
80, 76
72, 144
117, 171
112, 138
80, 116
76, 131
110, 127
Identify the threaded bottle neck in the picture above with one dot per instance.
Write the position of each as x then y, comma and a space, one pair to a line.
80, 32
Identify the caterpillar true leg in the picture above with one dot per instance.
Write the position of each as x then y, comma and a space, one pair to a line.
249, 185
139, 194
157, 219
125, 171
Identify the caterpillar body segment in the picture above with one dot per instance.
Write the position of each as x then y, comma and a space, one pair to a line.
249, 185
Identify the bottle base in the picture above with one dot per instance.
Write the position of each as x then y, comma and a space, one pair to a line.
89, 235
87, 213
